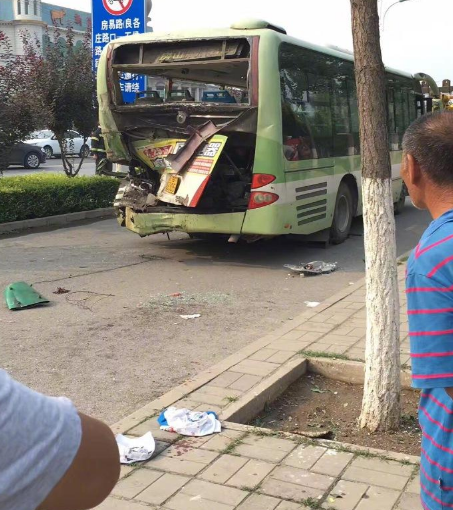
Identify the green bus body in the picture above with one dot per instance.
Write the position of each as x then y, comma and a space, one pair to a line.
291, 81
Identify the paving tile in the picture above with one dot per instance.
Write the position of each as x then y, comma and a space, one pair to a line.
125, 470
304, 457
223, 469
210, 407
385, 466
259, 502
245, 382
260, 368
200, 397
279, 489
345, 495
414, 485
409, 501
219, 392
378, 478
377, 498
317, 327
221, 441
293, 335
121, 504
224, 380
280, 357
183, 461
333, 338
337, 349
252, 474
263, 354
162, 489
136, 483
288, 505
214, 492
332, 463
183, 501
292, 346
265, 454
302, 477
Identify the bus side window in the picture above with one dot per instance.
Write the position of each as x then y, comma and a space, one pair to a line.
354, 112
393, 134
343, 139
306, 104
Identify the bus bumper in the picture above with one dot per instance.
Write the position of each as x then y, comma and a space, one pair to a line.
145, 224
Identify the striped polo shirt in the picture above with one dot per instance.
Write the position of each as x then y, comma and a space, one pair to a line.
430, 308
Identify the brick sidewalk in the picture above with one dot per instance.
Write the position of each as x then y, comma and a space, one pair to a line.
254, 471
248, 469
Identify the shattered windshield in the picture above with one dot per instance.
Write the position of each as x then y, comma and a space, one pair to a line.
205, 71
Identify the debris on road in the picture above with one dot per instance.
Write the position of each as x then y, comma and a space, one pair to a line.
176, 294
193, 316
21, 295
312, 304
189, 423
137, 449
61, 290
313, 268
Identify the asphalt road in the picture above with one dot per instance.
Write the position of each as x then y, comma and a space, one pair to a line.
116, 340
52, 165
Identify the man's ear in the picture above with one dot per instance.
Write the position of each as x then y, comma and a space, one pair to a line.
413, 170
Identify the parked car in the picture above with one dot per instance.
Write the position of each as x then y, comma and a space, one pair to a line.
28, 156
46, 139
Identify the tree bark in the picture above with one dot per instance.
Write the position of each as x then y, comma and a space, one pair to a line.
381, 409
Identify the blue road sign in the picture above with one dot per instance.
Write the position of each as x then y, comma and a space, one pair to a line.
113, 19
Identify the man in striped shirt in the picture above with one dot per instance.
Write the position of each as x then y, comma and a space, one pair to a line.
428, 173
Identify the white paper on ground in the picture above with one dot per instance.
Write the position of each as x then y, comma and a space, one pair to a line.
191, 423
188, 317
312, 304
136, 449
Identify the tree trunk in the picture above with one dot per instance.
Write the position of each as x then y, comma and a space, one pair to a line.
381, 409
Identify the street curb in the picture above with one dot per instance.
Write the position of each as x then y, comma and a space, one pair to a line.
203, 378
253, 402
352, 372
59, 220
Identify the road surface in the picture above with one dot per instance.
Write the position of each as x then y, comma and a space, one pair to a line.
52, 165
117, 341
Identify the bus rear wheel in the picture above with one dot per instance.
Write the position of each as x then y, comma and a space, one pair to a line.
342, 219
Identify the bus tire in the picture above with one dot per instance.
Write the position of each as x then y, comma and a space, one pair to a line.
398, 207
343, 215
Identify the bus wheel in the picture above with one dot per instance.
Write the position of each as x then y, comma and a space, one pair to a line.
399, 206
342, 219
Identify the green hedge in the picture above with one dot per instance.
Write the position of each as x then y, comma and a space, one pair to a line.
37, 196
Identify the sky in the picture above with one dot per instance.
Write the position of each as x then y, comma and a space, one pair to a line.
416, 36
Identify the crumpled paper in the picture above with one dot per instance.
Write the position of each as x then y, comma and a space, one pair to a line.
137, 449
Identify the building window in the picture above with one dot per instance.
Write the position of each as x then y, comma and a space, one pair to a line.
18, 7
27, 3
35, 7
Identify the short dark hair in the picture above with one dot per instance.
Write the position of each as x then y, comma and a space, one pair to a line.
429, 140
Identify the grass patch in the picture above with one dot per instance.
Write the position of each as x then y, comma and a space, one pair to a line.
38, 196
234, 444
327, 355
231, 400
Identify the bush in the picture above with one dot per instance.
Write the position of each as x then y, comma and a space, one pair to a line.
37, 196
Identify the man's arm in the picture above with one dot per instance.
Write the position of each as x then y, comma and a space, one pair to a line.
93, 473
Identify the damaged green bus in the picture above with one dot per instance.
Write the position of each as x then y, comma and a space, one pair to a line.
243, 131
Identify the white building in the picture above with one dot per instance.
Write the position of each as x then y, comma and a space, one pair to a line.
36, 17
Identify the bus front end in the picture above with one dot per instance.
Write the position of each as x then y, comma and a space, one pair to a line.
189, 140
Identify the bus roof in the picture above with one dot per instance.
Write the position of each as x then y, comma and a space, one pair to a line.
218, 33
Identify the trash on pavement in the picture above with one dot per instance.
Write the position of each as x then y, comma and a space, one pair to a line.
137, 449
189, 423
313, 268
188, 317
61, 290
21, 295
311, 304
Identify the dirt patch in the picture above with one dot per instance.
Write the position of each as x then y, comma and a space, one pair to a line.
316, 404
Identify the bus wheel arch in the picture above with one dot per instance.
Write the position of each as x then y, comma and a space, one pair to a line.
346, 204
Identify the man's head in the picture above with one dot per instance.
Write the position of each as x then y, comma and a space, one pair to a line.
427, 166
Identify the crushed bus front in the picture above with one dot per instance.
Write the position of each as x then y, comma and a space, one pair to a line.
189, 140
